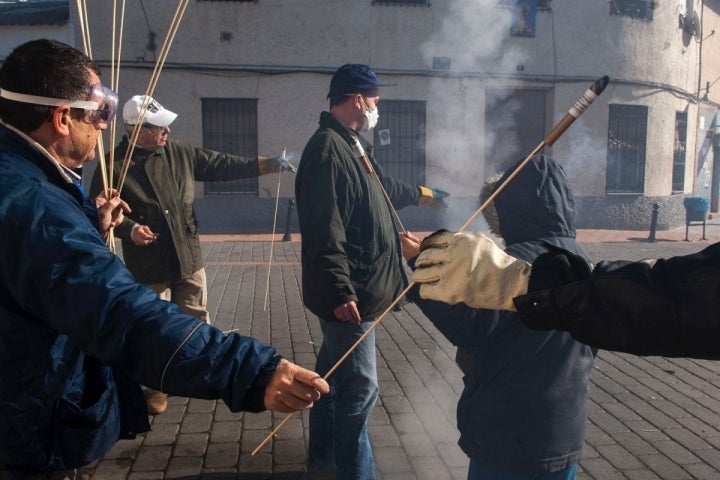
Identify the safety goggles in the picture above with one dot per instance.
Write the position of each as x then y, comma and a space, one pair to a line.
100, 108
154, 129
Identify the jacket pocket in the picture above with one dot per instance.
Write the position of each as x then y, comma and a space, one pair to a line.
364, 268
87, 418
191, 223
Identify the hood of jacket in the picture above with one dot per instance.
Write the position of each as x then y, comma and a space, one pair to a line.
537, 203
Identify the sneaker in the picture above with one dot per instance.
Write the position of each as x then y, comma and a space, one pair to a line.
156, 402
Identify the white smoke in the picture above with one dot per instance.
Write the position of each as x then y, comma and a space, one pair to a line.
474, 35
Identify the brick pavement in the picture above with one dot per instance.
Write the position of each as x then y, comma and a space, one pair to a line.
650, 418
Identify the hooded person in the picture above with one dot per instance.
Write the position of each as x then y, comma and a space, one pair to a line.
523, 411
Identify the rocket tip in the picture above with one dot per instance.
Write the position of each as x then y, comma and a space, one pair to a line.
600, 84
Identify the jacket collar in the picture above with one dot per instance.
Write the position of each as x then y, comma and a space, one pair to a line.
26, 147
34, 148
328, 121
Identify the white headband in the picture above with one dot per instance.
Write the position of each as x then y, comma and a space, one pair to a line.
53, 102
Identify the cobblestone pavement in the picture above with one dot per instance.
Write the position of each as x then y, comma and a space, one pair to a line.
650, 418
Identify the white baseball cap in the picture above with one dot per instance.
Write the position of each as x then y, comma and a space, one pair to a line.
155, 114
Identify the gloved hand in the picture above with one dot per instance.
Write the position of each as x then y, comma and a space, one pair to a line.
432, 197
469, 268
275, 165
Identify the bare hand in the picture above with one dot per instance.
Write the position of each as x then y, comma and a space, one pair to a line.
410, 245
348, 312
293, 388
142, 235
110, 212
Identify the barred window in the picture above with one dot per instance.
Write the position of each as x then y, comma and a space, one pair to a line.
399, 140
230, 126
679, 145
425, 3
539, 4
642, 9
627, 140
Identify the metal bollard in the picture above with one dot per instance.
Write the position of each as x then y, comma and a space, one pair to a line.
288, 218
653, 223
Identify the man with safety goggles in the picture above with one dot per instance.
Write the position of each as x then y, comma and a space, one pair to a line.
99, 109
78, 332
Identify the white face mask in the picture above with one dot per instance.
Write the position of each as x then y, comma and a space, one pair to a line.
371, 119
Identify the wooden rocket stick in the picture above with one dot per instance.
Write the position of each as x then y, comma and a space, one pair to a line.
272, 238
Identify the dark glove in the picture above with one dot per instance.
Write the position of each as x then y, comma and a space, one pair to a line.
432, 197
557, 267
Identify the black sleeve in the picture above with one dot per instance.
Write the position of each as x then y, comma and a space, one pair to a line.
665, 307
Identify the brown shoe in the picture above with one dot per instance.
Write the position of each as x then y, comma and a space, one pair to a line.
156, 402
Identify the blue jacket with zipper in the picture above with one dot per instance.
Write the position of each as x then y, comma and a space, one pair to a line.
77, 332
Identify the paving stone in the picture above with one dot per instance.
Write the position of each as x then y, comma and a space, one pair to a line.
146, 476
185, 467
162, 434
619, 457
641, 474
191, 445
196, 423
111, 469
418, 445
664, 467
392, 460
222, 455
289, 451
225, 432
152, 458
634, 444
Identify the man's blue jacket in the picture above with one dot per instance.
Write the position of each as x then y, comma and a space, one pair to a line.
72, 318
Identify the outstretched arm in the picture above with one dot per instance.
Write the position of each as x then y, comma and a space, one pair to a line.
666, 307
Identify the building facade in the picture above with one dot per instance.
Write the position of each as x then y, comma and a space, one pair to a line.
477, 86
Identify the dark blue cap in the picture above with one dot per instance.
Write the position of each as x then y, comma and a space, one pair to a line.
353, 78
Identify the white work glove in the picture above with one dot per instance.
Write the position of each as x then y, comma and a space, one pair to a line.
469, 268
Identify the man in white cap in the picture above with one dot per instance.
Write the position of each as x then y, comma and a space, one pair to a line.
160, 238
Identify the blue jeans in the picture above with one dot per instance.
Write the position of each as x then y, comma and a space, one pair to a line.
338, 421
478, 471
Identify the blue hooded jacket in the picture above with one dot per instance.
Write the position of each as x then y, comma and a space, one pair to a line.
523, 408
70, 310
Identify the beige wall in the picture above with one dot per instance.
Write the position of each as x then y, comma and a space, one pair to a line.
283, 53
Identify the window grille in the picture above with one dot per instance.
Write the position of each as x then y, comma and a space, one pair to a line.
539, 4
627, 139
230, 126
402, 2
679, 144
632, 8
399, 140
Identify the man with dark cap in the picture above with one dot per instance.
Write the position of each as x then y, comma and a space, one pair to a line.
352, 264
